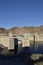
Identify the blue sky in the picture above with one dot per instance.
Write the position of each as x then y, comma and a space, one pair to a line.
21, 13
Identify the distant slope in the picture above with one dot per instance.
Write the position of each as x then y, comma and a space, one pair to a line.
25, 29
3, 30
17, 30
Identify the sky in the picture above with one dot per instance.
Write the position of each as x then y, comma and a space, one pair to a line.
21, 13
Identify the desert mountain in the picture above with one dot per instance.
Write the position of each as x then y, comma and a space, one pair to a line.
3, 30
25, 29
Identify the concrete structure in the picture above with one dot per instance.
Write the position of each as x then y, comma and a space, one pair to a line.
25, 40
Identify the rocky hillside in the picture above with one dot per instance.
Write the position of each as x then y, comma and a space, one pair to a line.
2, 30
25, 29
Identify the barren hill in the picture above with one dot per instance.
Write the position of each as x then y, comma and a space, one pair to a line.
25, 29
3, 30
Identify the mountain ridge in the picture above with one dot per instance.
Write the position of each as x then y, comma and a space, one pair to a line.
21, 30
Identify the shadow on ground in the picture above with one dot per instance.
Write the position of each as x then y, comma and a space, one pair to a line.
23, 58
